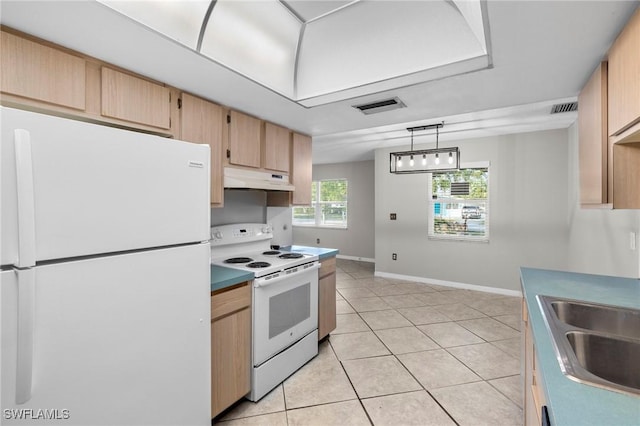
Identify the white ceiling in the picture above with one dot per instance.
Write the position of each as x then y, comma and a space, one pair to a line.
309, 10
542, 53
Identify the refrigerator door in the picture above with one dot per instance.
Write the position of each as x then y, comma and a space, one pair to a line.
118, 340
74, 189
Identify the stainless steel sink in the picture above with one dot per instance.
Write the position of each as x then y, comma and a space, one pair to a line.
595, 344
606, 319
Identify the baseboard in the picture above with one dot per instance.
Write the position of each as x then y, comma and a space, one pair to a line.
360, 259
496, 290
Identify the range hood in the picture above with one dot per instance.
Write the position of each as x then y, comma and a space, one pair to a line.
252, 179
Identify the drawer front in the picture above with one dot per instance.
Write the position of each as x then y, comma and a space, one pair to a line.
327, 266
230, 300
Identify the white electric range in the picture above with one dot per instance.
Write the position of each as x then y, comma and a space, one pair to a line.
284, 301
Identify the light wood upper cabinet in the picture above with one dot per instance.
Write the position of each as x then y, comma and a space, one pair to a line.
276, 149
39, 72
203, 122
244, 140
626, 176
301, 169
624, 79
595, 183
129, 98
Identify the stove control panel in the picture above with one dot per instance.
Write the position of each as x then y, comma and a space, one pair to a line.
239, 233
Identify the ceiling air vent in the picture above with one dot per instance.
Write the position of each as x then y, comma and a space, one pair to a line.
568, 107
380, 106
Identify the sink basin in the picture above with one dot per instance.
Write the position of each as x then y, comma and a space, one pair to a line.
595, 344
603, 357
606, 319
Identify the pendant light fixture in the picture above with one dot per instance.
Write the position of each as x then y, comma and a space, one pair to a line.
432, 160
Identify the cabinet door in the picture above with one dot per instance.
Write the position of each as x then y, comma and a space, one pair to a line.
38, 72
230, 359
593, 140
277, 143
301, 169
624, 80
327, 298
244, 140
202, 122
135, 100
626, 176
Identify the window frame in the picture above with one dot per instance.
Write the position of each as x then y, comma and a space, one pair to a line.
317, 205
487, 214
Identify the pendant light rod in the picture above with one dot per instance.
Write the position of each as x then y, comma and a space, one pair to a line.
411, 139
426, 127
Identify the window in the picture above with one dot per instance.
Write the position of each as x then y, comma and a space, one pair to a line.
328, 205
459, 204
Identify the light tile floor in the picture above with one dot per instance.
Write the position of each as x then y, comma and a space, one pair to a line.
403, 353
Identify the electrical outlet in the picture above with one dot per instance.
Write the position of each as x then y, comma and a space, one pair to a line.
392, 216
632, 240
317, 240
394, 256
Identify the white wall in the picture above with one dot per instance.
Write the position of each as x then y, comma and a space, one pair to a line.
599, 239
240, 206
528, 183
358, 239
280, 219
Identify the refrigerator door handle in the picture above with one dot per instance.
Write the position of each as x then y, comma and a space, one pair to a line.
25, 201
26, 328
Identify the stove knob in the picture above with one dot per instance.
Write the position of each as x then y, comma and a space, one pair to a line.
217, 235
266, 229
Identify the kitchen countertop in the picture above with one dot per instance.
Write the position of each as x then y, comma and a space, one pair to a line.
570, 402
322, 253
222, 277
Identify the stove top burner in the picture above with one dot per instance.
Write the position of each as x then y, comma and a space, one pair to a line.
291, 256
239, 260
271, 252
258, 265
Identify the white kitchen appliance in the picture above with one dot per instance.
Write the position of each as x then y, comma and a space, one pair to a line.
105, 277
284, 302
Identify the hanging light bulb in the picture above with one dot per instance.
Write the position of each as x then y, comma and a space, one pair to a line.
437, 159
424, 159
411, 162
451, 158
399, 161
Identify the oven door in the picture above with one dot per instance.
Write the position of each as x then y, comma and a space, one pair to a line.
285, 309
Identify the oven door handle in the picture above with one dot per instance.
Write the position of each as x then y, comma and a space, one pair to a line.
267, 281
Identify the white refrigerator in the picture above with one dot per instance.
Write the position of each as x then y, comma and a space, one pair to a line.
105, 279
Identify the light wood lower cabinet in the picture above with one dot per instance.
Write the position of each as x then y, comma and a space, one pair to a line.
534, 398
230, 346
326, 297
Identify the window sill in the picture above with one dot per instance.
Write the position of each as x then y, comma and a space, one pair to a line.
460, 238
340, 228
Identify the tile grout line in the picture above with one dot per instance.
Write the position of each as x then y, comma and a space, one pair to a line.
370, 329
482, 379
